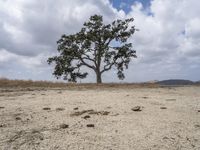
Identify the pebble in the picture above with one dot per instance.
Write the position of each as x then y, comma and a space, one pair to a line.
64, 126
137, 108
90, 125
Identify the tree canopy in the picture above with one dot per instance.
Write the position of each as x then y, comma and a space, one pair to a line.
97, 46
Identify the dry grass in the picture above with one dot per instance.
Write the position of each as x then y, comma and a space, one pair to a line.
7, 83
29, 83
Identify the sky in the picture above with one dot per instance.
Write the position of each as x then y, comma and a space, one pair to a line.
167, 43
125, 5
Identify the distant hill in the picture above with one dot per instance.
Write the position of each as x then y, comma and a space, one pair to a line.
175, 82
198, 82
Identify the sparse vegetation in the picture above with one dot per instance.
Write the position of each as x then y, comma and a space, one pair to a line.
4, 82
29, 85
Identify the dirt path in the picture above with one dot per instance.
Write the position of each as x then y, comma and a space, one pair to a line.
165, 119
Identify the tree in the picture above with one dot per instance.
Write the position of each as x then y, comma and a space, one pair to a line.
97, 46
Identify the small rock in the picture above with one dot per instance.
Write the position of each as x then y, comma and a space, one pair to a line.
92, 112
2, 125
76, 108
90, 125
46, 108
105, 112
60, 109
197, 126
145, 97
86, 117
137, 108
79, 113
64, 126
18, 118
198, 110
163, 107
165, 138
35, 131
2, 107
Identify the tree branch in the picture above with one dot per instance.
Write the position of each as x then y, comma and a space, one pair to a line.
109, 67
86, 64
88, 58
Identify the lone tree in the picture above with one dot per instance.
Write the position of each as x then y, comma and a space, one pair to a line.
97, 46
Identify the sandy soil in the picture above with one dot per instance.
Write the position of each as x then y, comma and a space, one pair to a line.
101, 119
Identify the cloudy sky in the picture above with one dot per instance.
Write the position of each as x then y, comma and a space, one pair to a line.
167, 45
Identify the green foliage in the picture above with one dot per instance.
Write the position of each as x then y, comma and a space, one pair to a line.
93, 47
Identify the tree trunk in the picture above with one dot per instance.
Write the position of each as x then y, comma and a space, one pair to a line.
98, 74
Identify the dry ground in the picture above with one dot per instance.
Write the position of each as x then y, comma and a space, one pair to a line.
100, 119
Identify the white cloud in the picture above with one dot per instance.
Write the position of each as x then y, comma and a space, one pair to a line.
24, 61
167, 44
168, 40
5, 56
34, 26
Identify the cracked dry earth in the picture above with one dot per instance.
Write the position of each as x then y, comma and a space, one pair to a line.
103, 119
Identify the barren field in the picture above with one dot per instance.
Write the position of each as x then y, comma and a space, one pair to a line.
100, 119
